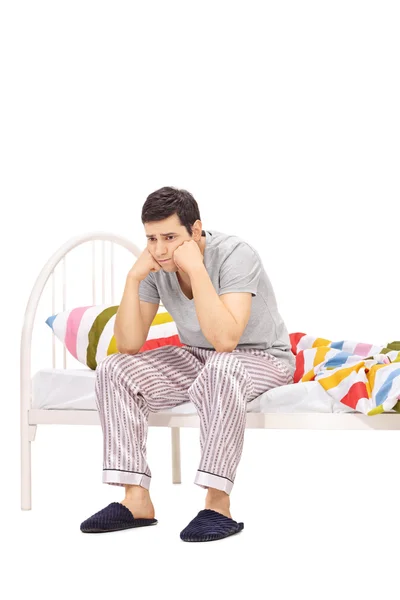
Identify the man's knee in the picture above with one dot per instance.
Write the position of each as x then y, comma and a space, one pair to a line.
222, 360
224, 363
113, 365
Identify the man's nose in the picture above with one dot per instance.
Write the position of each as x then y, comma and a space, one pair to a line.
160, 249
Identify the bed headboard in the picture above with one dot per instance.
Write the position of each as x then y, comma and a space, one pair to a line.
108, 240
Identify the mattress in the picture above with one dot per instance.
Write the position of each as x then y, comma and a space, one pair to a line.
74, 389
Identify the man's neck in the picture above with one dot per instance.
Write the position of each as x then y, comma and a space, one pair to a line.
202, 244
183, 277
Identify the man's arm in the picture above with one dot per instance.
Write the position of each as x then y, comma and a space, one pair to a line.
133, 319
222, 318
134, 316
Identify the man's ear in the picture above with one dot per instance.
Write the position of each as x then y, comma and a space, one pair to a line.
196, 230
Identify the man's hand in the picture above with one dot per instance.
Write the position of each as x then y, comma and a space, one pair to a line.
144, 264
188, 256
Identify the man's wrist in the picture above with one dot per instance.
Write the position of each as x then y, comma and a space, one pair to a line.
200, 268
132, 278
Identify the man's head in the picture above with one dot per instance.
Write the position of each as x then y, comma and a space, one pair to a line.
170, 217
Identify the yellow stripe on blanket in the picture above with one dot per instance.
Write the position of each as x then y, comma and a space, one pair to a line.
321, 342
308, 376
319, 357
376, 411
321, 354
372, 374
341, 374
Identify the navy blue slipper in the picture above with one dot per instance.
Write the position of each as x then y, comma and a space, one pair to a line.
113, 517
210, 525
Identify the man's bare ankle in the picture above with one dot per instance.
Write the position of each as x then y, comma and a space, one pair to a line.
137, 491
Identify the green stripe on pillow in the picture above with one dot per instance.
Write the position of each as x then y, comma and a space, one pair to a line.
95, 332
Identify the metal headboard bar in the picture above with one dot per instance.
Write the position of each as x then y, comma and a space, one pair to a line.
49, 271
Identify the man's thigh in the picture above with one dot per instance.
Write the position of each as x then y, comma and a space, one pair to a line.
157, 373
265, 371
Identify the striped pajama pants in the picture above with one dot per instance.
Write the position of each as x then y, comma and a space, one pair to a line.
219, 384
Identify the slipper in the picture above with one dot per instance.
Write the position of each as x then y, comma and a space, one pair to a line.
210, 525
113, 517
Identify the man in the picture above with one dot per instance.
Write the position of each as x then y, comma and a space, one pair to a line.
235, 347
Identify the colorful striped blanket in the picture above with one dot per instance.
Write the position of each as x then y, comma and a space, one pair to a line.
364, 377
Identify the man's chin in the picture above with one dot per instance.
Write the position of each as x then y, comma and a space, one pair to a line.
169, 267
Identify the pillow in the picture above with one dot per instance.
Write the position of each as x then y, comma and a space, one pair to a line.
87, 332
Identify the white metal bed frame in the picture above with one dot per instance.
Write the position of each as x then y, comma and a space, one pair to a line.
31, 418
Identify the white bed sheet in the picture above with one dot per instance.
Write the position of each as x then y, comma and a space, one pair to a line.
73, 389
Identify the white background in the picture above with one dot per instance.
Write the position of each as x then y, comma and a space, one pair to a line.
282, 118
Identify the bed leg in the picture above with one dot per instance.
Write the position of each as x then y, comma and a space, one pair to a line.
176, 455
27, 436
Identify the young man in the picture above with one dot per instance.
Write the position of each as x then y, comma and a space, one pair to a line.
235, 347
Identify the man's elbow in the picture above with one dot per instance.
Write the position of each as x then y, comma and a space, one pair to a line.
122, 350
226, 346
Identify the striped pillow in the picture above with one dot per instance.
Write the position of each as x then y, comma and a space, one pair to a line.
88, 332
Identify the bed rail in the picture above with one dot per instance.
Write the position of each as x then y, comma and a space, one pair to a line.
49, 271
27, 430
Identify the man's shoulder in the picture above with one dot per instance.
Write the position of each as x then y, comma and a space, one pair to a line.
226, 243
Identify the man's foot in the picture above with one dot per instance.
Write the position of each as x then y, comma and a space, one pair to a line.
210, 525
141, 509
113, 517
137, 500
221, 510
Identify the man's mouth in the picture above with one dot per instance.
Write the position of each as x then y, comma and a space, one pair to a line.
164, 261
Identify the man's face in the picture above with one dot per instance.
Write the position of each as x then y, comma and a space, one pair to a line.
163, 238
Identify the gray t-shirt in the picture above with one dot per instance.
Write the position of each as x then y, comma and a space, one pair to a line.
233, 266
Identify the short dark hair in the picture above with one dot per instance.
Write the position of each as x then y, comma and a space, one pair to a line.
168, 201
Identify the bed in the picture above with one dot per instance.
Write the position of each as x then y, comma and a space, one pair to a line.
54, 395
